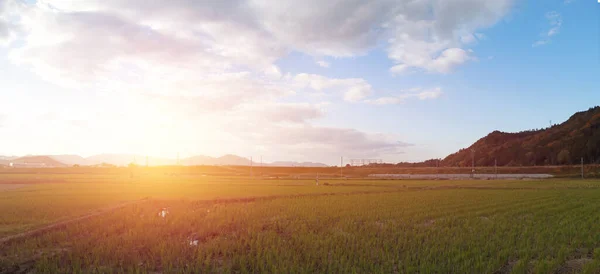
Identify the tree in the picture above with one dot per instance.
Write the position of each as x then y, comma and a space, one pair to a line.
564, 157
530, 158
592, 147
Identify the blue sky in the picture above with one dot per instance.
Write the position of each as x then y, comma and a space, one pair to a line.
512, 87
404, 81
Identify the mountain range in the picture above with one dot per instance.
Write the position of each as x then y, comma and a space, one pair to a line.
559, 144
126, 159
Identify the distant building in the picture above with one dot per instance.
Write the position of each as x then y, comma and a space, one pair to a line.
27, 165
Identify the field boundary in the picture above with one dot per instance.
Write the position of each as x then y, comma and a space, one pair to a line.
64, 223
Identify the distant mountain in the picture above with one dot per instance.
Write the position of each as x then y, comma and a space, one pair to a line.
126, 159
232, 160
36, 161
70, 159
565, 143
114, 159
197, 160
298, 164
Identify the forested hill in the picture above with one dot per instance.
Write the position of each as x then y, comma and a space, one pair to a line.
560, 144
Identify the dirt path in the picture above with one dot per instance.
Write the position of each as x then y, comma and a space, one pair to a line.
7, 187
106, 210
64, 223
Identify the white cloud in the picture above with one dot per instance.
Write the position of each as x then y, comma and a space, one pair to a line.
555, 20
430, 94
282, 112
336, 28
273, 71
449, 59
93, 37
421, 56
323, 64
347, 141
386, 101
217, 93
353, 89
432, 35
76, 48
218, 58
417, 93
540, 43
468, 38
320, 142
8, 9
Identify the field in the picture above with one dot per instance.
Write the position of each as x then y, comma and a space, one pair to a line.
222, 221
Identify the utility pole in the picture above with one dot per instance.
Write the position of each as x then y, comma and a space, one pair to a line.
250, 166
261, 169
473, 162
496, 167
342, 167
581, 167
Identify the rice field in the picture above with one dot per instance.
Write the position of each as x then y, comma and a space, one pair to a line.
228, 224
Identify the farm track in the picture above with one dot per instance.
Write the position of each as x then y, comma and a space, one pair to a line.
60, 224
64, 223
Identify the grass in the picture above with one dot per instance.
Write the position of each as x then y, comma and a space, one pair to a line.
247, 225
40, 203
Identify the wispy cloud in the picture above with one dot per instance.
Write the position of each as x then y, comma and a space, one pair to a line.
416, 93
555, 20
354, 89
323, 64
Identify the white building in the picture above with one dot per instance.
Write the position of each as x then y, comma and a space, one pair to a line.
27, 165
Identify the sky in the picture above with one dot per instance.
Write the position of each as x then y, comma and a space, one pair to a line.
289, 80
